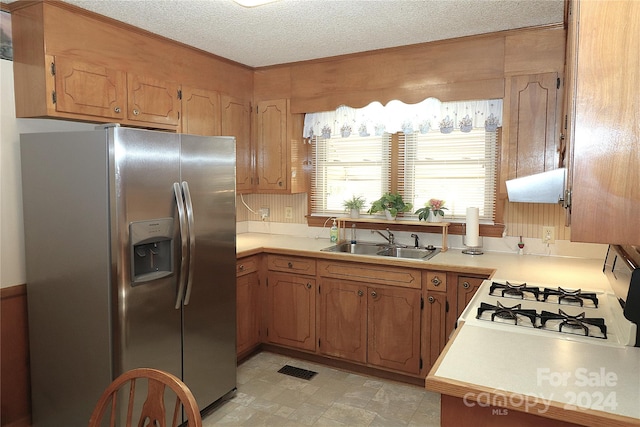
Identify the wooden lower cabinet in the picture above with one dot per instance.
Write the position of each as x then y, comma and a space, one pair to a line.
393, 316
247, 305
435, 332
342, 320
460, 295
375, 324
291, 305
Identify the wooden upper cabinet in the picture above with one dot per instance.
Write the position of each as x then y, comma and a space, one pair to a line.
605, 130
534, 119
281, 156
88, 89
236, 121
200, 111
152, 101
272, 145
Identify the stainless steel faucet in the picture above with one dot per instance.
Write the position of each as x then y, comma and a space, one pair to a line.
390, 238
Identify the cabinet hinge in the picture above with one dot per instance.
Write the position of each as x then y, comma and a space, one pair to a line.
421, 363
256, 109
53, 69
267, 331
318, 342
558, 83
421, 303
179, 94
446, 307
54, 98
318, 288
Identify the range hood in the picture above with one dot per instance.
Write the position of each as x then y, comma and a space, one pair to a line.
545, 187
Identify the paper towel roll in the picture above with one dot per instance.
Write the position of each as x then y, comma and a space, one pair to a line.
473, 227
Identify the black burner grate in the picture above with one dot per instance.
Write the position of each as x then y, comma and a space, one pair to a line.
305, 374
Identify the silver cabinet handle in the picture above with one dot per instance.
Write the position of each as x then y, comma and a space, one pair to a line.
117, 109
241, 267
374, 294
183, 239
308, 285
192, 239
466, 285
360, 293
290, 264
431, 300
436, 281
136, 112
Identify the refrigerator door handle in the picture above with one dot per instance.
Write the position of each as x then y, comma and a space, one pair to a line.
192, 239
183, 239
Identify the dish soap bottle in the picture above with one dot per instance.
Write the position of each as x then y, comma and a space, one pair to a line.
333, 233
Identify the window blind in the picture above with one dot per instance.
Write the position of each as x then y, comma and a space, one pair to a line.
346, 167
459, 167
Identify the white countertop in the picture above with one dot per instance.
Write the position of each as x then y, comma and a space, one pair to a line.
565, 271
527, 365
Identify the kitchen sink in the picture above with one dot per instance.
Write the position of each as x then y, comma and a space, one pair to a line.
361, 248
377, 249
412, 253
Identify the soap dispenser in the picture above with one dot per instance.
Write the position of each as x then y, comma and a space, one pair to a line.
333, 233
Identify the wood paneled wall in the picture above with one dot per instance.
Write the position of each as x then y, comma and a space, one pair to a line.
276, 204
527, 220
466, 68
15, 388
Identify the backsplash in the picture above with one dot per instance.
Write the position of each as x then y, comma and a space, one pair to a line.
277, 204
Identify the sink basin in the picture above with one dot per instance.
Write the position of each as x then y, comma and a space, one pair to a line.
360, 248
412, 253
365, 248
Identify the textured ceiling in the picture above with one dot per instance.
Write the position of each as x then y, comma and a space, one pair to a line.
297, 30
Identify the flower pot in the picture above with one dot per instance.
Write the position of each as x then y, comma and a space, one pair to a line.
388, 215
355, 213
434, 217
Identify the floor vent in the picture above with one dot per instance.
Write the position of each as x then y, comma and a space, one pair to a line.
297, 372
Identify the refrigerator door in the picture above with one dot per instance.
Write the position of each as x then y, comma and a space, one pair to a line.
209, 354
145, 250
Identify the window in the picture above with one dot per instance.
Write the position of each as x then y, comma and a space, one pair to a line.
459, 168
436, 160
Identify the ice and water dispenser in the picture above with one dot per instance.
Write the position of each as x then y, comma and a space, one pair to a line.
151, 249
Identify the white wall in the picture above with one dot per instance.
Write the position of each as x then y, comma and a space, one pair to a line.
12, 265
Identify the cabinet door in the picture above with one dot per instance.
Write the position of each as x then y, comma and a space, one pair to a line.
236, 121
534, 130
247, 314
435, 311
292, 314
343, 319
151, 100
394, 328
467, 287
606, 134
200, 111
83, 88
272, 146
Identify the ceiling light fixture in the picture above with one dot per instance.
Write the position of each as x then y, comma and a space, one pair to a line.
253, 3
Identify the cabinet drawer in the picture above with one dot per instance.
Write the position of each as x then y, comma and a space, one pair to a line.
371, 273
292, 264
435, 281
246, 265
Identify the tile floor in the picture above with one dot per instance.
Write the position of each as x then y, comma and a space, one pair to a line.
331, 398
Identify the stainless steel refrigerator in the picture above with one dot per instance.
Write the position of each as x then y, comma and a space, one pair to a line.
130, 252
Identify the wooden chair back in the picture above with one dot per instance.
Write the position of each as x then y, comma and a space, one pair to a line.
153, 411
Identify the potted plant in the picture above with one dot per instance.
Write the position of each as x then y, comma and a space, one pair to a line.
353, 205
435, 207
391, 205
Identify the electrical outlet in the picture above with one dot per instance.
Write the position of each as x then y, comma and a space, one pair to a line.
548, 234
288, 212
264, 213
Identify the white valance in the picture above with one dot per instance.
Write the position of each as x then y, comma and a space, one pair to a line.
396, 116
